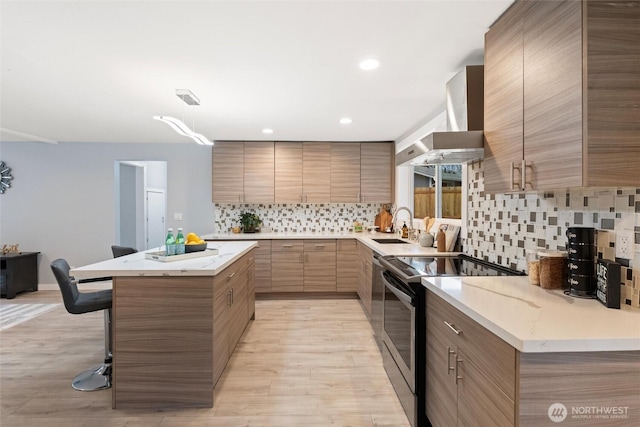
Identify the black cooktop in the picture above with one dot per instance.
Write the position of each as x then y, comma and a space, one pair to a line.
411, 268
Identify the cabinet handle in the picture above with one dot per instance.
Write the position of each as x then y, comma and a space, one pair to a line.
453, 328
458, 361
301, 258
230, 276
523, 175
230, 300
513, 184
449, 353
362, 198
319, 246
287, 246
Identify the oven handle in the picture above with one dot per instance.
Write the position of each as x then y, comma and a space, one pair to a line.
397, 292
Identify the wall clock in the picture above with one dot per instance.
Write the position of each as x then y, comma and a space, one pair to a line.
5, 177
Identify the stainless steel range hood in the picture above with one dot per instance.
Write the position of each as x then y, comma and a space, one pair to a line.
463, 140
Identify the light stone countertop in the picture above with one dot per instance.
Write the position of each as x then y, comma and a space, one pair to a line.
137, 265
411, 248
536, 320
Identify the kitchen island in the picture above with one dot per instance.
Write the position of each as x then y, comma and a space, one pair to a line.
175, 324
504, 352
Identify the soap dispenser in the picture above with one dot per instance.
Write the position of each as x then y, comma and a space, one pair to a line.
405, 231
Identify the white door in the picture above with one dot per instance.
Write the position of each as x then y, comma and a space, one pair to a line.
156, 203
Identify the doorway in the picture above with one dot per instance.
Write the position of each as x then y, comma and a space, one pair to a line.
140, 203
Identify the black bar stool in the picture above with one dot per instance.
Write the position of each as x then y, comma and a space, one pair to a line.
97, 377
119, 251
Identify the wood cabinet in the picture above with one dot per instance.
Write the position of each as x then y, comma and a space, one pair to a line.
316, 171
258, 172
307, 172
345, 172
347, 261
470, 372
376, 172
288, 172
320, 265
227, 172
233, 306
287, 266
559, 78
243, 172
263, 266
365, 271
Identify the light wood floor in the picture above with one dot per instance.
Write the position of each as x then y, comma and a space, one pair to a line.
300, 363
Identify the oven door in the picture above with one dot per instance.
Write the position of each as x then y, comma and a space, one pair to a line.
398, 334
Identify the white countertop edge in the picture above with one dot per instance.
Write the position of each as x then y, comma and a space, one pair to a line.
171, 269
538, 345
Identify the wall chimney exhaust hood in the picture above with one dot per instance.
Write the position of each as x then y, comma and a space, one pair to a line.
463, 141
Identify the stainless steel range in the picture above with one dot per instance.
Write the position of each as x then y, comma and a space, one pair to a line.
404, 320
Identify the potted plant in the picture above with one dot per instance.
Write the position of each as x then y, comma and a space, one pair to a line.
250, 222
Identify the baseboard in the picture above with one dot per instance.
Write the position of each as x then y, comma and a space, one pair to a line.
306, 295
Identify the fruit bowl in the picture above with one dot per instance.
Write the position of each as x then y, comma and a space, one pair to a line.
195, 248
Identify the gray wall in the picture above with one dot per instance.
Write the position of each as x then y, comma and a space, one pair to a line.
62, 198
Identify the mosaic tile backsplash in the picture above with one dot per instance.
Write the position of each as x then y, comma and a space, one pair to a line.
501, 228
300, 217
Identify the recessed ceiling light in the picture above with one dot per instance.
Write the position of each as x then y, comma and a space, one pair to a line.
267, 130
345, 120
369, 64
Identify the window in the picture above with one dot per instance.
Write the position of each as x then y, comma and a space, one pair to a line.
437, 191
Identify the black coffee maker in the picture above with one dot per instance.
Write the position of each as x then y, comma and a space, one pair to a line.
581, 261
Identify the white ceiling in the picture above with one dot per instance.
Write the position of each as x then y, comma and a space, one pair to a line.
97, 71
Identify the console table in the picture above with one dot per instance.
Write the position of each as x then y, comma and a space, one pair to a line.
19, 273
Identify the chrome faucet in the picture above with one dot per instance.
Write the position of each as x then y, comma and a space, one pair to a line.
395, 214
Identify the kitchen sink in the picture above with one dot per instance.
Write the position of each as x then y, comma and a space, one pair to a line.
384, 241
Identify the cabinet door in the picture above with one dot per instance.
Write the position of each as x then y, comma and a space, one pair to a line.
441, 394
480, 402
503, 101
221, 305
238, 311
250, 275
376, 164
553, 95
316, 171
227, 172
287, 266
319, 265
263, 267
613, 81
347, 266
288, 172
364, 283
345, 172
258, 172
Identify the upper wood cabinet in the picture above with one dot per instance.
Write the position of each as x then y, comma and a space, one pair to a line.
376, 172
560, 79
316, 171
288, 172
227, 185
258, 172
345, 172
243, 172
302, 172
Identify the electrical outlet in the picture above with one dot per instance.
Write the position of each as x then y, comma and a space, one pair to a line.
177, 216
624, 244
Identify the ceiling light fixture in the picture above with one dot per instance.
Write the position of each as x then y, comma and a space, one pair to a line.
183, 129
369, 64
345, 120
267, 130
187, 96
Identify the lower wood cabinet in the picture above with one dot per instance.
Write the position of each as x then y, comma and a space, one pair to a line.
263, 266
320, 265
287, 265
365, 271
347, 261
459, 392
233, 299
